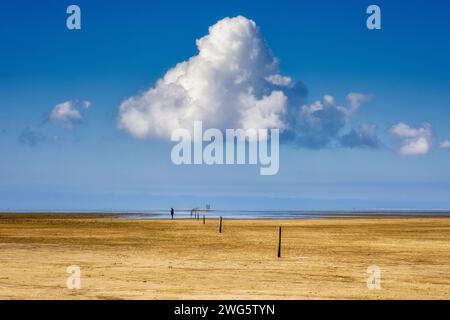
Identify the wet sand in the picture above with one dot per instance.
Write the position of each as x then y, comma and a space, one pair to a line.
184, 259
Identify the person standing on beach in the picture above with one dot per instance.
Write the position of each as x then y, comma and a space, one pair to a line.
171, 212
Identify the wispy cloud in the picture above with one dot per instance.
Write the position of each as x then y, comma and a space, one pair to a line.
365, 136
356, 99
31, 137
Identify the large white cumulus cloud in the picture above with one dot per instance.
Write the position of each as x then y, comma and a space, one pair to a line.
233, 82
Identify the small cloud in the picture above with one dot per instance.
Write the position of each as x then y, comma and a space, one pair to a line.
31, 137
357, 99
279, 80
415, 141
329, 100
404, 131
86, 104
445, 144
67, 113
365, 136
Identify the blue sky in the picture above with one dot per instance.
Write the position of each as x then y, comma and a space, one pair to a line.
124, 48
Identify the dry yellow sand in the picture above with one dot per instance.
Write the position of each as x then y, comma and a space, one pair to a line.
184, 259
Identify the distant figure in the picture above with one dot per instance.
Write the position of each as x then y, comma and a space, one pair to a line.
171, 212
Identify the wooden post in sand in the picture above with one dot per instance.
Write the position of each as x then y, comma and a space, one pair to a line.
220, 225
203, 219
279, 242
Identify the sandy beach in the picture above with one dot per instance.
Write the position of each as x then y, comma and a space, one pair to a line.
186, 259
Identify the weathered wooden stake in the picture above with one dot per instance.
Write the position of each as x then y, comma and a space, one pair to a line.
279, 242
203, 219
220, 225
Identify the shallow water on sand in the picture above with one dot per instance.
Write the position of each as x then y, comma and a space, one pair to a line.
280, 214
